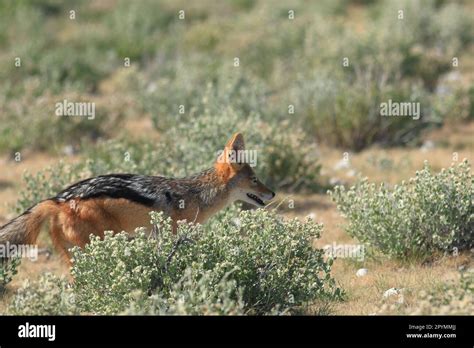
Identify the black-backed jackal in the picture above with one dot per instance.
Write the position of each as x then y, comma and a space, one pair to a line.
122, 202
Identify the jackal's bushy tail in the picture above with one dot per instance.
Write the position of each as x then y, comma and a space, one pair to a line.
25, 228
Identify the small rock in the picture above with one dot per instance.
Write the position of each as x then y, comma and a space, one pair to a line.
68, 150
442, 90
395, 292
391, 292
342, 164
152, 87
362, 272
351, 173
453, 76
427, 145
335, 181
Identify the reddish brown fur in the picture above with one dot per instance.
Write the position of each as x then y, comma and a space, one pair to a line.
72, 224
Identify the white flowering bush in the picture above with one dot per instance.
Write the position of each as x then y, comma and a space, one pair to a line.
50, 295
431, 212
256, 263
274, 260
191, 295
108, 269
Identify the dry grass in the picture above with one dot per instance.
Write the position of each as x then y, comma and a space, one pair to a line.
393, 165
365, 294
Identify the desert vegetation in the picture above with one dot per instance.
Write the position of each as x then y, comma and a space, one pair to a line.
306, 83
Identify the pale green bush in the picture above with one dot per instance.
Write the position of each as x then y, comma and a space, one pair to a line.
50, 295
28, 121
344, 111
192, 295
177, 60
431, 212
258, 264
108, 269
427, 37
456, 104
175, 86
272, 260
398, 59
134, 28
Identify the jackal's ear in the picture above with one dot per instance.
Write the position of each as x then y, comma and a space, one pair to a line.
236, 143
231, 150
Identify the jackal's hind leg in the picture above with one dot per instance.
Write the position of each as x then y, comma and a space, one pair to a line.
59, 242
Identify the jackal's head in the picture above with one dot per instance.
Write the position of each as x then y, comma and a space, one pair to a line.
234, 168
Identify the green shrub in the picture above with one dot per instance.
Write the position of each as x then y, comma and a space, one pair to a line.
456, 104
345, 111
163, 89
22, 28
428, 36
108, 269
50, 295
454, 28
392, 58
192, 295
28, 120
78, 68
8, 268
136, 29
272, 259
190, 62
258, 264
432, 212
67, 61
